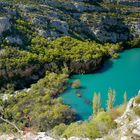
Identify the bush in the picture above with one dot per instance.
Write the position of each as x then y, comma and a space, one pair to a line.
59, 130
137, 110
137, 99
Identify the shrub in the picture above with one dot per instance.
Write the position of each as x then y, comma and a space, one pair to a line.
59, 130
136, 109
137, 99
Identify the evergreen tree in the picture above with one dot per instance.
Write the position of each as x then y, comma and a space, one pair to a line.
111, 99
96, 103
99, 102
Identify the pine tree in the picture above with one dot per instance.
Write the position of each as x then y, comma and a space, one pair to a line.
96, 103
111, 99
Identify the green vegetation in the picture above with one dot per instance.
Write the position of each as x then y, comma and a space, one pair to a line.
96, 103
40, 107
21, 62
111, 99
40, 104
137, 99
96, 127
136, 109
24, 64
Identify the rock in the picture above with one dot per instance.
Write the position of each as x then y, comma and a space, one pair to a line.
136, 132
124, 138
3, 4
85, 67
107, 29
79, 7
61, 26
14, 40
44, 33
136, 126
40, 21
4, 24
77, 138
27, 8
52, 14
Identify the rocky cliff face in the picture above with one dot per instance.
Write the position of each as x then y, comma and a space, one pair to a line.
55, 18
128, 124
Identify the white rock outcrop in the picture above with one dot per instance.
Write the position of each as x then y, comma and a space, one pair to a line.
61, 26
4, 24
14, 40
128, 125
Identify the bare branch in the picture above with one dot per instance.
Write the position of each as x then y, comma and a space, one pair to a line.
5, 120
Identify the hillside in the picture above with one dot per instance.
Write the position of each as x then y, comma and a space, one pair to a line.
127, 127
43, 43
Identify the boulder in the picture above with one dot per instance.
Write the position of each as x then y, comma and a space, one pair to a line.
60, 25
4, 24
14, 40
44, 33
40, 21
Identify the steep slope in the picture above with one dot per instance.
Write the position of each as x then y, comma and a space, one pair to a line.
128, 124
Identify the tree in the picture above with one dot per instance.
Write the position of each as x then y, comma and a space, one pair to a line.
99, 102
111, 99
96, 103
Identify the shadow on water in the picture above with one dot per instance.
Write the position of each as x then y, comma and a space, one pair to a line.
78, 117
106, 66
82, 87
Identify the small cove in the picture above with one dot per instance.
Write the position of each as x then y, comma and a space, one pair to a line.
121, 74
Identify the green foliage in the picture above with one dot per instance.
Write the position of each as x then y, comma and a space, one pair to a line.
94, 128
96, 103
136, 109
59, 129
76, 50
40, 104
135, 42
137, 99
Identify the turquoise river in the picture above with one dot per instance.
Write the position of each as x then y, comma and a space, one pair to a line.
121, 74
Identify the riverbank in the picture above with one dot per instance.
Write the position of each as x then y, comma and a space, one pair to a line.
119, 74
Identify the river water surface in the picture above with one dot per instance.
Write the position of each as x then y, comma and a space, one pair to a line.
121, 74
